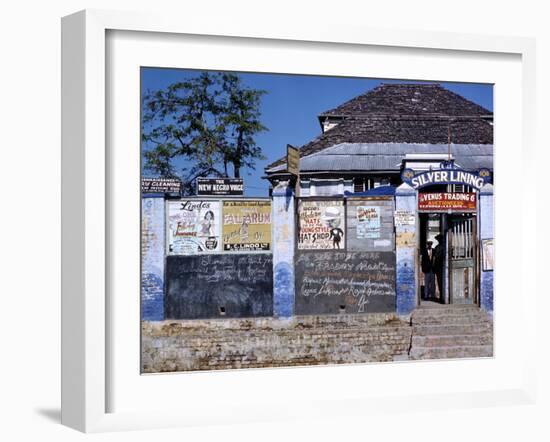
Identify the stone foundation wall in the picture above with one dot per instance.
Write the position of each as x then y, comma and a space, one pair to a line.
220, 344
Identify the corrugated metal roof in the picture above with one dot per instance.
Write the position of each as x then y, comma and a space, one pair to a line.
388, 156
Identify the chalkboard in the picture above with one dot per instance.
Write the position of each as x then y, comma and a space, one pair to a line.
217, 286
347, 282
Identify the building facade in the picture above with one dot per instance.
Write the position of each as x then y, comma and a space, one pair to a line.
394, 169
377, 147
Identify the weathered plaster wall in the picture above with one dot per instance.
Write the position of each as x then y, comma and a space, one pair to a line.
486, 232
405, 252
283, 231
272, 342
152, 258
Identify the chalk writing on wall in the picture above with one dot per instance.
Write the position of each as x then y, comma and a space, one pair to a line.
212, 286
246, 226
321, 225
356, 282
193, 226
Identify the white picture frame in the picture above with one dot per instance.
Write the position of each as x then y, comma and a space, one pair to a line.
87, 214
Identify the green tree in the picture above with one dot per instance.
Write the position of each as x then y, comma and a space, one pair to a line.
210, 121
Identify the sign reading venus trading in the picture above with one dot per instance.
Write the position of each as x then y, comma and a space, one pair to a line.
193, 227
445, 202
246, 226
321, 225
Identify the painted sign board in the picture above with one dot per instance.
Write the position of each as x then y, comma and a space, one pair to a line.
246, 226
447, 202
220, 186
404, 218
160, 185
321, 225
487, 254
368, 222
193, 227
447, 175
293, 160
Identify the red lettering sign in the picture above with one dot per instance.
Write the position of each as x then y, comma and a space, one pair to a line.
445, 202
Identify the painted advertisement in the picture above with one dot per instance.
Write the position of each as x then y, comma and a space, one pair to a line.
404, 218
322, 225
246, 226
368, 222
445, 202
193, 227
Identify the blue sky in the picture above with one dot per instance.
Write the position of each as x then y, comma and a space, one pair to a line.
291, 105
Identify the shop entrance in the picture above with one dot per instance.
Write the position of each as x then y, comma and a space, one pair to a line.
452, 258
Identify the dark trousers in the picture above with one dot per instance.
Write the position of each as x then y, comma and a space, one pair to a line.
439, 276
429, 285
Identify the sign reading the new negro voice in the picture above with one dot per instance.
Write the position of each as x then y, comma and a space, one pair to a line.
448, 174
220, 186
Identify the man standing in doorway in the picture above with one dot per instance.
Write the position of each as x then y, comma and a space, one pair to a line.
439, 263
427, 263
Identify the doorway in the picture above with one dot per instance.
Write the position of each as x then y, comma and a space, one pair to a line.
462, 253
431, 225
459, 275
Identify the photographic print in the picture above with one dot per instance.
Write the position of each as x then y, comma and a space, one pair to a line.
292, 220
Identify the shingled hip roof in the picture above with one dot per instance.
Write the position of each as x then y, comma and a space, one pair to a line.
403, 113
408, 99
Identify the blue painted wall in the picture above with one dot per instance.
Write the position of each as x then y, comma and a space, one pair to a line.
283, 234
405, 252
486, 231
152, 259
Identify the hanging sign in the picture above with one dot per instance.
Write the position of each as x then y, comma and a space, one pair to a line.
293, 160
447, 202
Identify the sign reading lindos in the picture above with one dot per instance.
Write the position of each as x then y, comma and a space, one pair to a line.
220, 186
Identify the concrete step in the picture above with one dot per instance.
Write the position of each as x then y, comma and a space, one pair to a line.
446, 307
461, 351
451, 340
451, 319
454, 329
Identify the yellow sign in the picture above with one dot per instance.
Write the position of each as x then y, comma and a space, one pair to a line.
293, 160
246, 226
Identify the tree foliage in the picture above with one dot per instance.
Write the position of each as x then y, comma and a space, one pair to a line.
210, 121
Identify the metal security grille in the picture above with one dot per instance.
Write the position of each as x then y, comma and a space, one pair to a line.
462, 252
